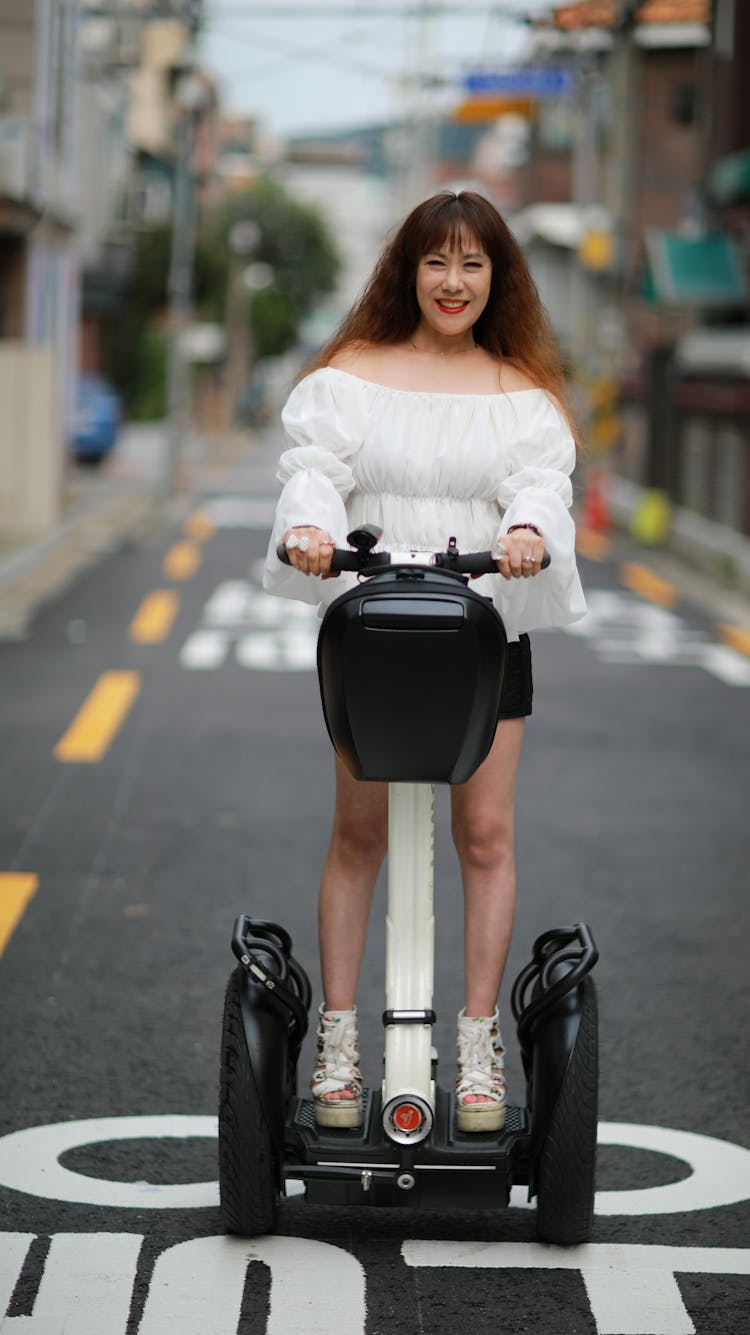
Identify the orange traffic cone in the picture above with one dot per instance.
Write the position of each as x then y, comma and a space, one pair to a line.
595, 515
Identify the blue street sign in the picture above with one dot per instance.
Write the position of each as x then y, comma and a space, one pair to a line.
533, 81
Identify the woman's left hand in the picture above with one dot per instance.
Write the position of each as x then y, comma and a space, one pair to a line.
523, 551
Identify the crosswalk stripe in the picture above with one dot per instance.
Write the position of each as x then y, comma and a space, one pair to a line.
99, 718
16, 889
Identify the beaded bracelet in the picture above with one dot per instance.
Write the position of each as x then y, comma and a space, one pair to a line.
533, 528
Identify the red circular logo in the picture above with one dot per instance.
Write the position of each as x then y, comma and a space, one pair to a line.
407, 1117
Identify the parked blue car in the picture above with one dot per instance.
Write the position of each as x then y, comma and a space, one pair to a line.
97, 419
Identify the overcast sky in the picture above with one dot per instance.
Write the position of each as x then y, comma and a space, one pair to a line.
311, 70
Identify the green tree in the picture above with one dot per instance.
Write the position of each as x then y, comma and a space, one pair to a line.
293, 241
303, 264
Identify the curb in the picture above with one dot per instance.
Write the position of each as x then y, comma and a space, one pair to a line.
663, 578
34, 574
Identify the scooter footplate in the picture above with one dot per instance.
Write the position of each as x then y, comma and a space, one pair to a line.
360, 1166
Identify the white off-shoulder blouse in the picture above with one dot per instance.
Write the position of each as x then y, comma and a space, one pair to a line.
426, 467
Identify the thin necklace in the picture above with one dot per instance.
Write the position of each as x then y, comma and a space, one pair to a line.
457, 353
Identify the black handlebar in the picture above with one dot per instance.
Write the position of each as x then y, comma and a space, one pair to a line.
365, 561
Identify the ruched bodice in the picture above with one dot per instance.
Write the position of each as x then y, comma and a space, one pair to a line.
425, 467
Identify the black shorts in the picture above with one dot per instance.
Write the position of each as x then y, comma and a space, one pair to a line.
518, 686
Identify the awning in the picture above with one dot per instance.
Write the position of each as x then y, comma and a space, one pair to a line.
729, 178
701, 271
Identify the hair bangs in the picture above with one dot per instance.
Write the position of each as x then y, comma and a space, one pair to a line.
440, 224
452, 222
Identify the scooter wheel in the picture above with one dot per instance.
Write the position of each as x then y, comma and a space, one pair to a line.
565, 1181
248, 1166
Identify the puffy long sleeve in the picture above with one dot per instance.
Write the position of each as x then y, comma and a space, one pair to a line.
538, 491
316, 479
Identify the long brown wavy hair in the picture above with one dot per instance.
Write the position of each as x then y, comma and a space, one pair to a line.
514, 325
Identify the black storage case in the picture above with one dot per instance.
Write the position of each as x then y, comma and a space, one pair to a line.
410, 665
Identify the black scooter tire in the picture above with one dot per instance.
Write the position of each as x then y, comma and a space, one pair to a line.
248, 1165
567, 1163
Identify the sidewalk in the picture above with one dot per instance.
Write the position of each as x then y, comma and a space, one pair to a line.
103, 510
688, 564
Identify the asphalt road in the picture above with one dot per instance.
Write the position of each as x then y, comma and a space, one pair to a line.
120, 878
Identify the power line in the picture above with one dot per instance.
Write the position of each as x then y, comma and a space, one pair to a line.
309, 54
315, 11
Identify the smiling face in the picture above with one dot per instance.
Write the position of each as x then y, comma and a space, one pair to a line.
453, 287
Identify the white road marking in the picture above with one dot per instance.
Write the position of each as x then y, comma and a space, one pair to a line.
281, 651
631, 1288
624, 629
197, 1287
720, 1176
230, 603
86, 1286
204, 650
29, 1162
727, 665
268, 634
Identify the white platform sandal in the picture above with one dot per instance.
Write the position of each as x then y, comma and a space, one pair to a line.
337, 1082
480, 1086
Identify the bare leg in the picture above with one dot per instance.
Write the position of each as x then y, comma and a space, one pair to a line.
482, 812
358, 846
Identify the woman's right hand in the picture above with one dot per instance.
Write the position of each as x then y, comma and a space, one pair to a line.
316, 560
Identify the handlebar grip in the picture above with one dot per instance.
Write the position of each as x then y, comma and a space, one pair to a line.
341, 559
483, 563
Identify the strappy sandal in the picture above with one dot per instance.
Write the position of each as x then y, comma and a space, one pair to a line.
480, 1086
337, 1082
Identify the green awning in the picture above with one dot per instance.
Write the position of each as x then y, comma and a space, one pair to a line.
729, 178
701, 271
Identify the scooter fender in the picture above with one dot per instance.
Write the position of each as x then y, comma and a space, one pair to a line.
265, 1021
554, 1039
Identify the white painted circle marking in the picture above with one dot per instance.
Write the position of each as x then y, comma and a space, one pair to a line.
29, 1162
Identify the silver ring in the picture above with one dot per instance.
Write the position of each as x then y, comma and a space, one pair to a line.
528, 560
498, 553
292, 542
304, 543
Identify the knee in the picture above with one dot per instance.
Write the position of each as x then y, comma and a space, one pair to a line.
485, 842
360, 841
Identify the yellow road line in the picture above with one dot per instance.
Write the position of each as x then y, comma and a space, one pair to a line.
199, 527
736, 638
648, 585
594, 546
99, 717
182, 560
155, 617
16, 889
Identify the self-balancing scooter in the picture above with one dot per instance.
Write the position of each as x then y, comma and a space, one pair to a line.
410, 664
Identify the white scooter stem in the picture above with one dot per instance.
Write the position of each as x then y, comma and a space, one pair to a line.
410, 930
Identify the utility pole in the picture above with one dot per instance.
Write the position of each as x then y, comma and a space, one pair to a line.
189, 99
421, 129
179, 291
621, 187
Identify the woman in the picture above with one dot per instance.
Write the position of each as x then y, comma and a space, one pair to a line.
434, 411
